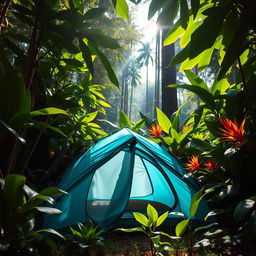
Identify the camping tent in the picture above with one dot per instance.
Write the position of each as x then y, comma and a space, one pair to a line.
120, 174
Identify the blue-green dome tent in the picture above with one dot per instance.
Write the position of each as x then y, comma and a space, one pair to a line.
120, 174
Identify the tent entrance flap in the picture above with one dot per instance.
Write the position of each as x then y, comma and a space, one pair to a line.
110, 189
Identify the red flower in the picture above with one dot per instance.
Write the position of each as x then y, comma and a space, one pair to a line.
232, 131
193, 164
155, 130
210, 165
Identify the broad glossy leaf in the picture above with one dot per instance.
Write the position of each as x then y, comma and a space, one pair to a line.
175, 118
174, 33
205, 227
196, 80
169, 12
124, 121
203, 94
205, 58
198, 115
52, 231
138, 125
184, 13
163, 121
102, 40
141, 218
137, 229
185, 39
195, 4
161, 219
243, 209
90, 117
86, 55
21, 139
13, 192
94, 13
180, 57
196, 199
204, 36
214, 213
48, 111
108, 67
52, 191
121, 8
152, 214
181, 227
48, 210
235, 49
219, 87
154, 6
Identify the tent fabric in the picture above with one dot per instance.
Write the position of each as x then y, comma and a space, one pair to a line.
120, 174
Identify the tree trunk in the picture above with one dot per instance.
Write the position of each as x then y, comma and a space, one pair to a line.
131, 95
157, 74
169, 95
147, 94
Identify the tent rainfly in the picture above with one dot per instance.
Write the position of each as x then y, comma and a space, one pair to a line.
121, 174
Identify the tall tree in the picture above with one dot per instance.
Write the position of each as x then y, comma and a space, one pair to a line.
144, 58
169, 95
134, 79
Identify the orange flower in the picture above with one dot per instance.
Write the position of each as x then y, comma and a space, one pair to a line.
210, 165
185, 128
193, 164
155, 130
232, 131
51, 153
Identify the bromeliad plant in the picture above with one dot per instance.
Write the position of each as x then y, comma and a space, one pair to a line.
88, 238
19, 207
148, 226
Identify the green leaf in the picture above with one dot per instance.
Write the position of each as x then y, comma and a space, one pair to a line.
184, 13
48, 111
243, 209
198, 115
86, 55
48, 210
108, 67
104, 103
180, 57
219, 87
154, 6
52, 231
175, 118
161, 219
124, 121
52, 191
196, 199
22, 140
237, 46
214, 213
94, 13
13, 192
205, 227
137, 229
175, 32
141, 218
139, 124
152, 214
185, 39
195, 4
196, 80
163, 121
203, 94
205, 35
121, 8
181, 227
